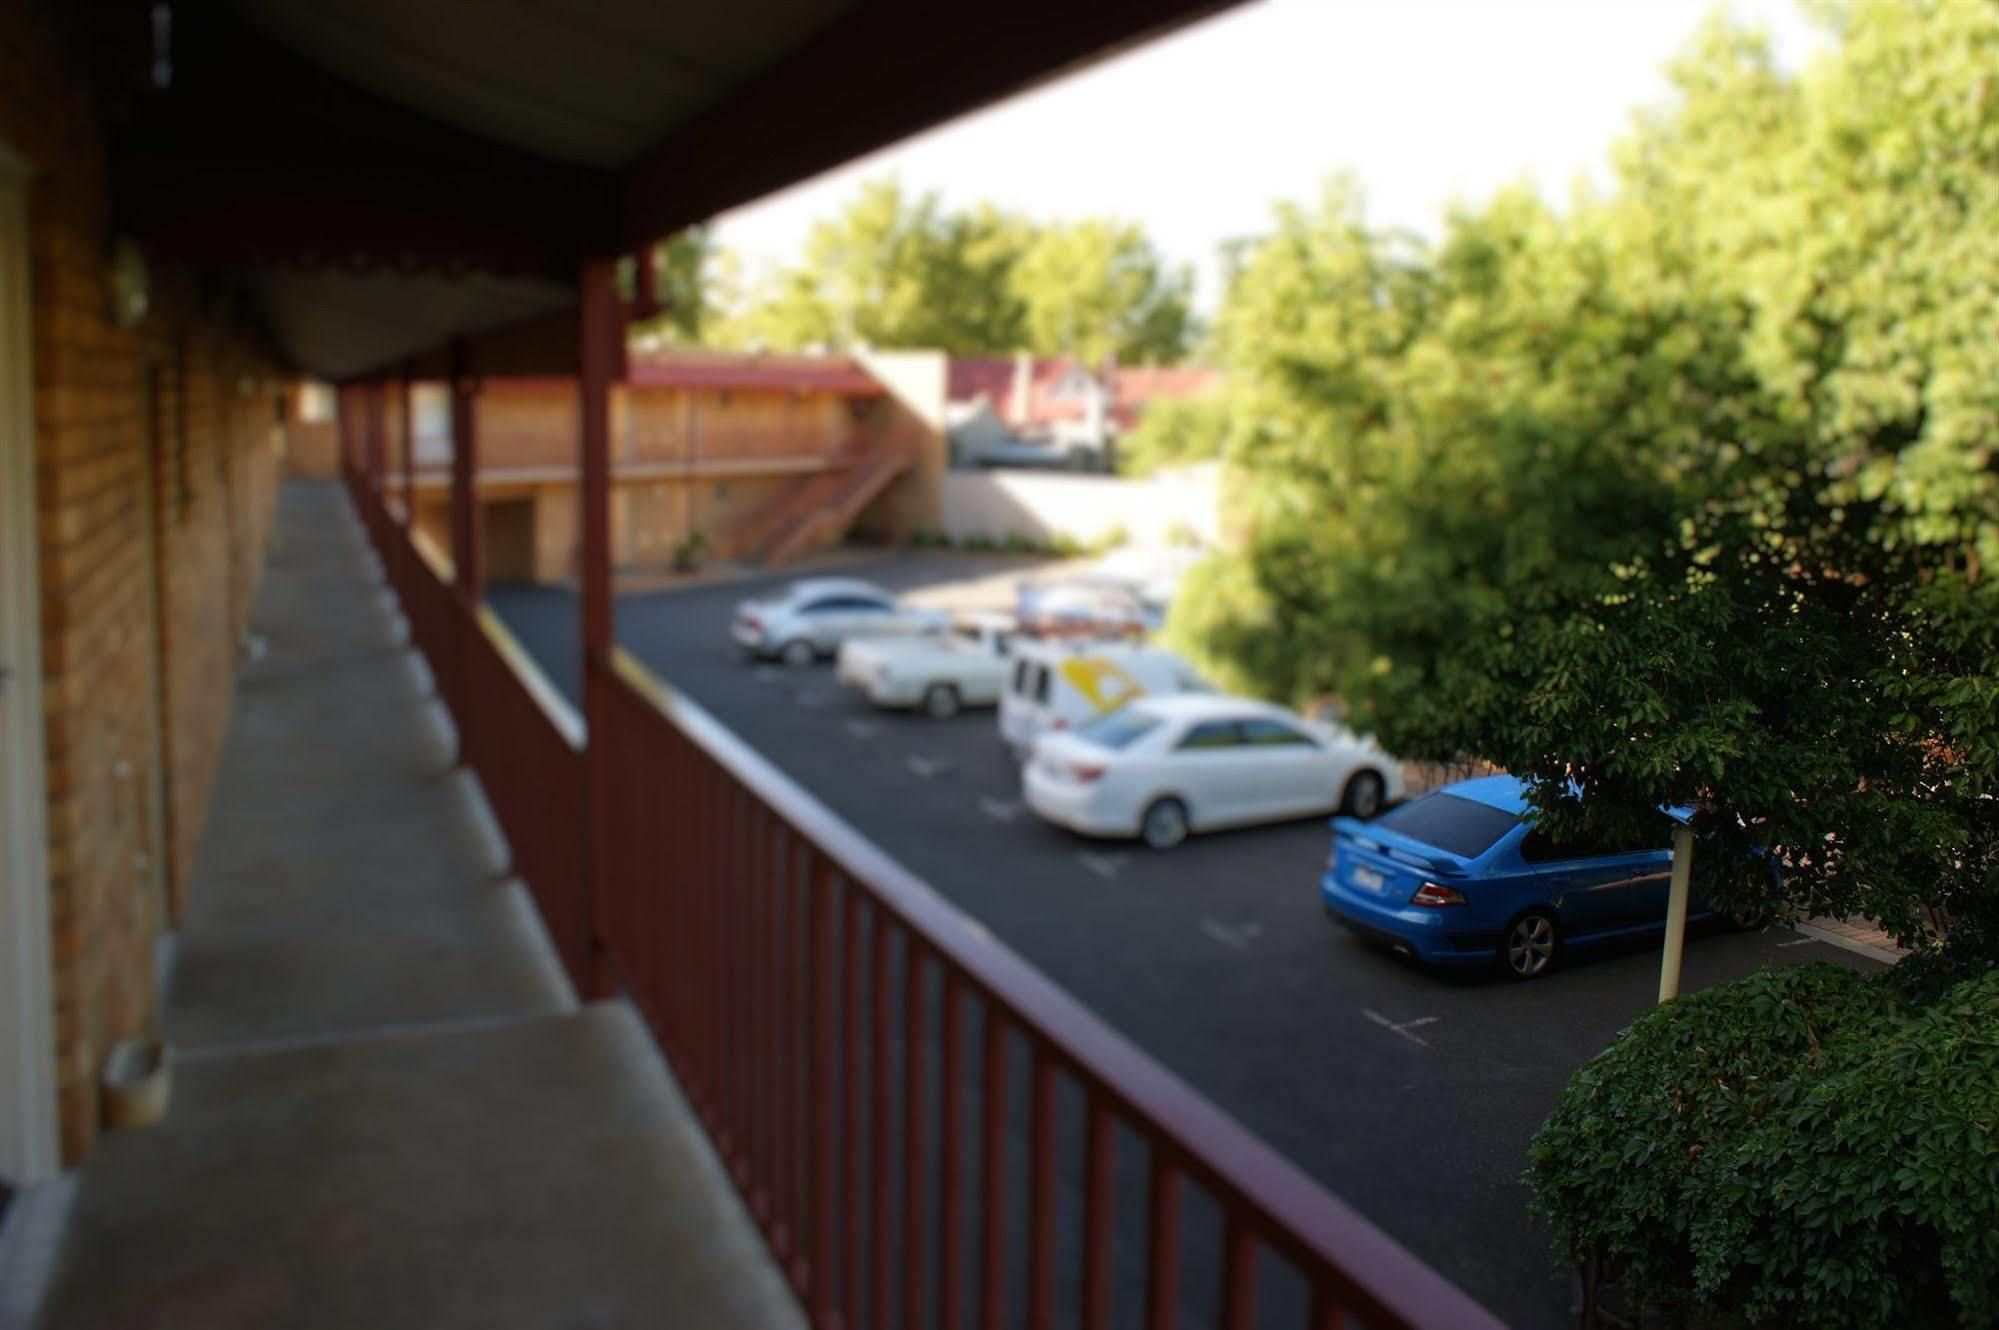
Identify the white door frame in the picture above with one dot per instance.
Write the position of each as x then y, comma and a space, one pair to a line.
29, 1145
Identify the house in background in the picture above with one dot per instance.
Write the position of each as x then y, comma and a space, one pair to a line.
1054, 410
715, 454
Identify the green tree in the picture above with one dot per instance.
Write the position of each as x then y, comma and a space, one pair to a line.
897, 269
1685, 496
1096, 288
892, 269
683, 280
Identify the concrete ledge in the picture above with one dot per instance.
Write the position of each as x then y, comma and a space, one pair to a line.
542, 1173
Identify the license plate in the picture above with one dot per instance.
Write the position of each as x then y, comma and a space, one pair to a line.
1368, 878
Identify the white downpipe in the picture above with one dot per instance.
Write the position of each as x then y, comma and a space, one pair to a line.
1676, 912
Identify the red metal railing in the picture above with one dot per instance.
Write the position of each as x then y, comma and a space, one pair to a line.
927, 1131
516, 734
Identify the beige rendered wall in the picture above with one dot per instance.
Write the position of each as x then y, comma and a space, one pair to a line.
913, 416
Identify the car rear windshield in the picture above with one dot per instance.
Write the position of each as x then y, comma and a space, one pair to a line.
1464, 827
1120, 729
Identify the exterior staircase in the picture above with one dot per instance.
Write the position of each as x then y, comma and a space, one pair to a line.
815, 511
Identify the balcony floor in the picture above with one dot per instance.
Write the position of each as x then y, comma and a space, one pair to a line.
387, 1109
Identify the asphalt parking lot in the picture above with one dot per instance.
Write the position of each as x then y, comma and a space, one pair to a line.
1412, 1094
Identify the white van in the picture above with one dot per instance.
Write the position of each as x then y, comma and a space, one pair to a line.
1061, 685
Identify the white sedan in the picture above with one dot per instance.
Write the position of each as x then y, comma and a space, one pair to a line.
1161, 767
811, 618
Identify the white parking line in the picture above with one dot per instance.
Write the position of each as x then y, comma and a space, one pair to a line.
1239, 938
1403, 1028
1106, 866
1000, 810
926, 768
863, 729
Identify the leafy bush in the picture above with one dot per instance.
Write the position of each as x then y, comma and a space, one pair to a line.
926, 538
688, 551
1018, 544
1804, 1148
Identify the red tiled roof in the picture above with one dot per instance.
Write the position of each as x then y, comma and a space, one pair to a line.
968, 377
971, 377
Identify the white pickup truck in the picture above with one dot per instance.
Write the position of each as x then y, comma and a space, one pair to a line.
965, 667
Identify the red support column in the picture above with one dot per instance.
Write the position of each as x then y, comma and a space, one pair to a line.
343, 413
467, 543
602, 354
645, 283
378, 478
409, 450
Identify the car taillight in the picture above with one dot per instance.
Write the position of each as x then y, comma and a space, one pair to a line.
752, 621
1085, 772
1432, 894
1058, 724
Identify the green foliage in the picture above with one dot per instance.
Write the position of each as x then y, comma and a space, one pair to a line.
901, 270
1176, 432
1112, 537
1097, 288
688, 551
1802, 1148
928, 538
893, 270
1687, 495
683, 280
1015, 543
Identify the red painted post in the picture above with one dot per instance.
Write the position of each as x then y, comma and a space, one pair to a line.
819, 1222
915, 1223
600, 346
992, 1175
1238, 1275
468, 553
951, 1171
1097, 1215
1041, 1195
645, 283
377, 442
343, 412
1162, 1243
409, 449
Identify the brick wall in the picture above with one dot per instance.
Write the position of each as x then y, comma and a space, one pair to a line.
156, 469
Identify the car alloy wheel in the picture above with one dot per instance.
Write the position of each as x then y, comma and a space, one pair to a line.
799, 653
1363, 795
940, 700
1164, 824
1529, 948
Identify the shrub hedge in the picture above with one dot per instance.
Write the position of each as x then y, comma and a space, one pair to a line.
1804, 1148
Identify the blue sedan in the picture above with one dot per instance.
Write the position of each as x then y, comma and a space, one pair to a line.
1459, 877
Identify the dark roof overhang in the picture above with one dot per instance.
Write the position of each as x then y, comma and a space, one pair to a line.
386, 177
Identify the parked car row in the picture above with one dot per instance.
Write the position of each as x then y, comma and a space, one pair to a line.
1117, 739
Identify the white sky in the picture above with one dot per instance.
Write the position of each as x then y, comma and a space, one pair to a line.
1425, 101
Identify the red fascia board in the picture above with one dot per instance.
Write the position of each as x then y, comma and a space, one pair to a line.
845, 380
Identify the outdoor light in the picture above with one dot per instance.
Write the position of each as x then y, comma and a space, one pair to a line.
131, 285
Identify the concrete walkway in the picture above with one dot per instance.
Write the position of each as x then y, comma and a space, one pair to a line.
388, 1109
